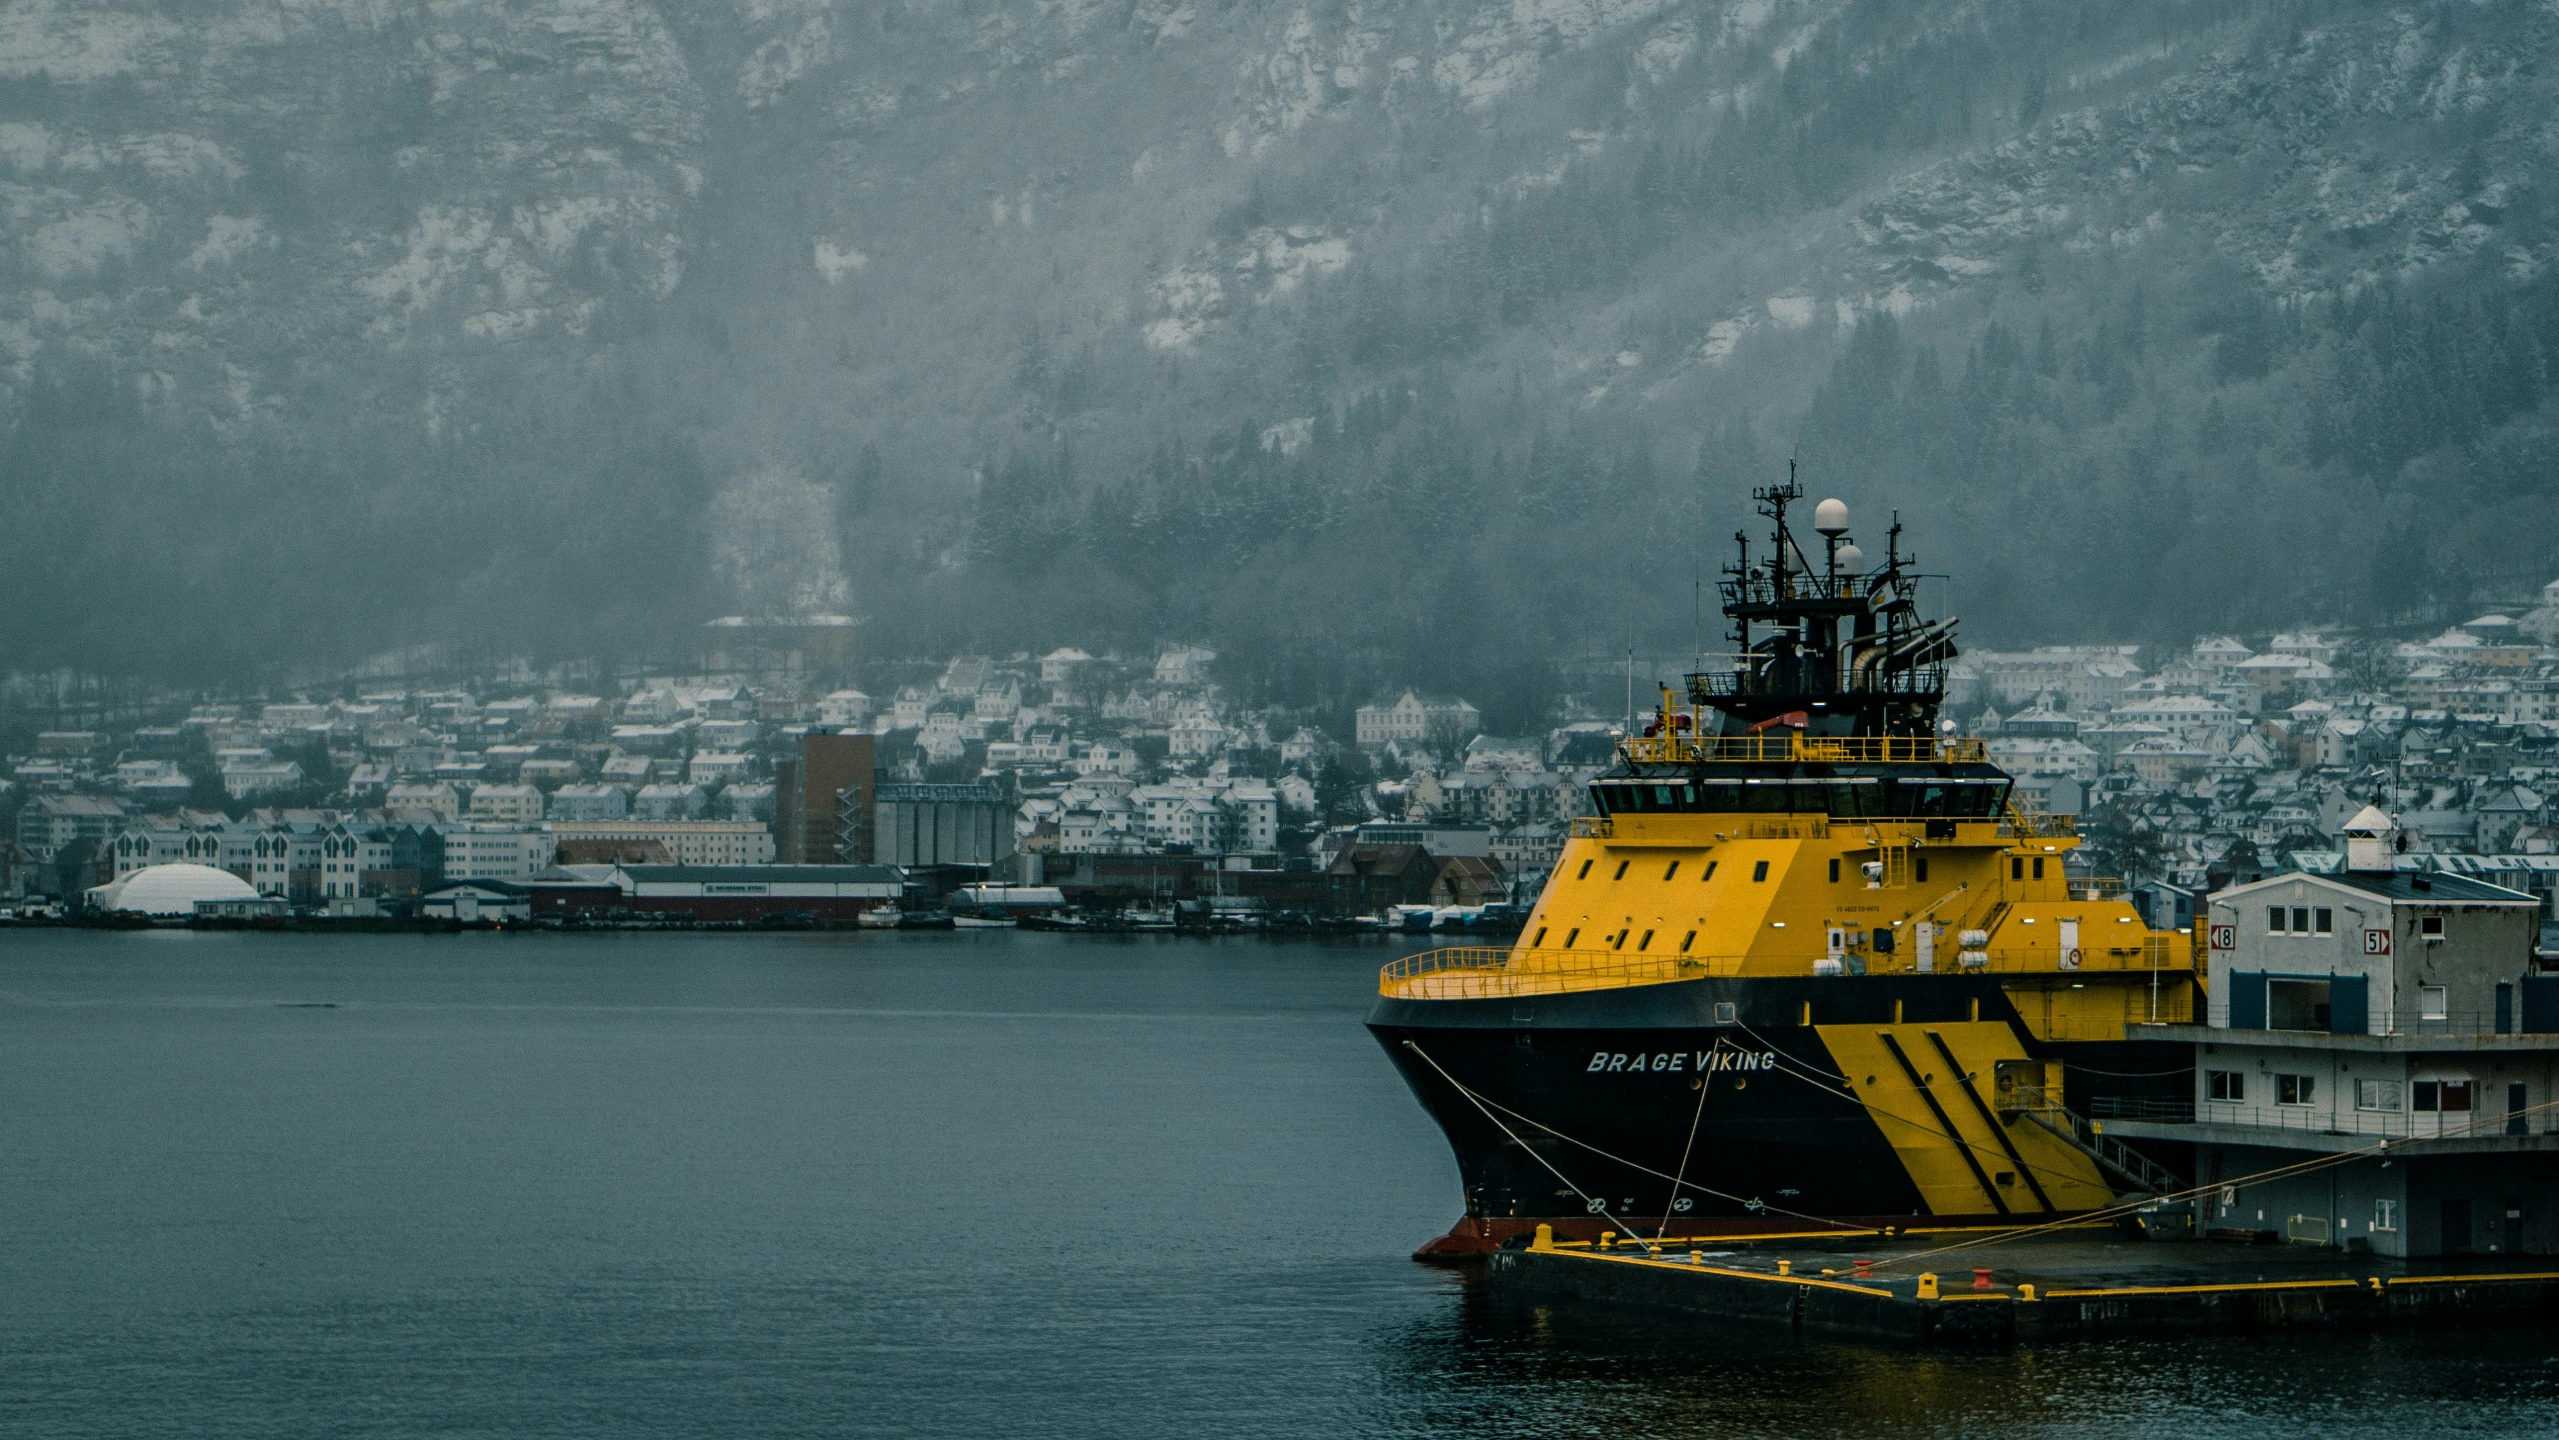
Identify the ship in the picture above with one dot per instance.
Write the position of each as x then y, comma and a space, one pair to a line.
1810, 964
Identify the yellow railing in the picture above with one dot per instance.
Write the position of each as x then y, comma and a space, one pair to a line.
1787, 745
1483, 972
1593, 827
2036, 825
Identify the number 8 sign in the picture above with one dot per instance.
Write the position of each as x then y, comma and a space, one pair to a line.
2225, 937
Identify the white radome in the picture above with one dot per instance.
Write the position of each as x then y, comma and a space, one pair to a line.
1831, 517
169, 890
1850, 557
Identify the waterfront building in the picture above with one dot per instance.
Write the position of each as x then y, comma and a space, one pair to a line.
686, 842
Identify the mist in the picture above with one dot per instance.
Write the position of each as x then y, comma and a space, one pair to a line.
1366, 344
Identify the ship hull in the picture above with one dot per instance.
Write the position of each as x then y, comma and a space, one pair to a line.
1637, 1108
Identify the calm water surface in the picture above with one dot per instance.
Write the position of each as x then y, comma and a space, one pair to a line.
963, 1185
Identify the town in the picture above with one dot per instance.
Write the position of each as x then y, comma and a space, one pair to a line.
768, 787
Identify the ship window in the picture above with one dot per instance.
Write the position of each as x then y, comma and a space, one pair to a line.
1710, 869
1834, 872
1759, 872
1570, 936
2016, 868
2039, 867
1726, 1012
1666, 797
1672, 873
1919, 869
1584, 872
1719, 799
1621, 869
1540, 940
1619, 943
1646, 943
1687, 941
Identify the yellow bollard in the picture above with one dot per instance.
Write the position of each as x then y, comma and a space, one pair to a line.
1696, 1257
1545, 1238
1928, 1285
1607, 1239
2025, 1292
1785, 1267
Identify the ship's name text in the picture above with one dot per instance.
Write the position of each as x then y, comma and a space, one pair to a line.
1704, 1061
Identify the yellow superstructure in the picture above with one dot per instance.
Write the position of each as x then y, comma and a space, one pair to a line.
1648, 898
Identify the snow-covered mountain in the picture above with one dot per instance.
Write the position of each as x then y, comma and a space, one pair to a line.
535, 299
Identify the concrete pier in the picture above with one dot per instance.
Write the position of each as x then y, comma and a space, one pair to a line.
2026, 1290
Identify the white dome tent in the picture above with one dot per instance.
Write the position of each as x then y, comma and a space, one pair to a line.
168, 891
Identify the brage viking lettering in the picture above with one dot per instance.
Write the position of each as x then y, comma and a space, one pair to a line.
1705, 1061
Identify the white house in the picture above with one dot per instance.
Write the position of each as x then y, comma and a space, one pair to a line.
1411, 717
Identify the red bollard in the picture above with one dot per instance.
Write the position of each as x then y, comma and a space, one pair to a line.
1981, 1279
1865, 1269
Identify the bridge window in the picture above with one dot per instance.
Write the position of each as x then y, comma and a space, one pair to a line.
1759, 872
1710, 869
1621, 869
1646, 943
1570, 936
1672, 873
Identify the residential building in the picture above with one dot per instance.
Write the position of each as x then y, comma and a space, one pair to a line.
694, 842
589, 802
1411, 718
520, 803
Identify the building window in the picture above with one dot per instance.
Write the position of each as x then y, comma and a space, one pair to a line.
2430, 927
2377, 1095
2294, 1089
1759, 871
2301, 920
2432, 1004
2225, 1085
2450, 1097
2322, 921
2274, 919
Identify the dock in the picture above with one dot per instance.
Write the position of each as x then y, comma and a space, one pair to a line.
1913, 1291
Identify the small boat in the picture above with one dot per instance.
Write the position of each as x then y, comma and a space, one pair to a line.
1147, 917
880, 917
965, 921
934, 919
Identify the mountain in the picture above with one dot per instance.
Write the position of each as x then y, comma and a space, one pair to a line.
1431, 340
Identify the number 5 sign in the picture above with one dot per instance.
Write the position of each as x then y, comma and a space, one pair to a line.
2225, 937
2377, 942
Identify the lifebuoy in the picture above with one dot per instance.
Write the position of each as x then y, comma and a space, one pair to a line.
2071, 960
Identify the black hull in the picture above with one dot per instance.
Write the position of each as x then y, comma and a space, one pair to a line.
1555, 1132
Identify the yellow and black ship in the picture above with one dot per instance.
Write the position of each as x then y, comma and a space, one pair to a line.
1808, 965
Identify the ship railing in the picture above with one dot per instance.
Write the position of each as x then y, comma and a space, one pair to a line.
1481, 972
1788, 746
2097, 887
2150, 950
1593, 827
2036, 825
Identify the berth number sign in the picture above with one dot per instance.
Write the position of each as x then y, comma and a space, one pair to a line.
2225, 937
2377, 942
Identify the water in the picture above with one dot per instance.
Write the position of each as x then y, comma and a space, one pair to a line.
956, 1185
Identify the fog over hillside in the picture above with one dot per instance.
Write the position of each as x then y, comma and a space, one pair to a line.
1438, 340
